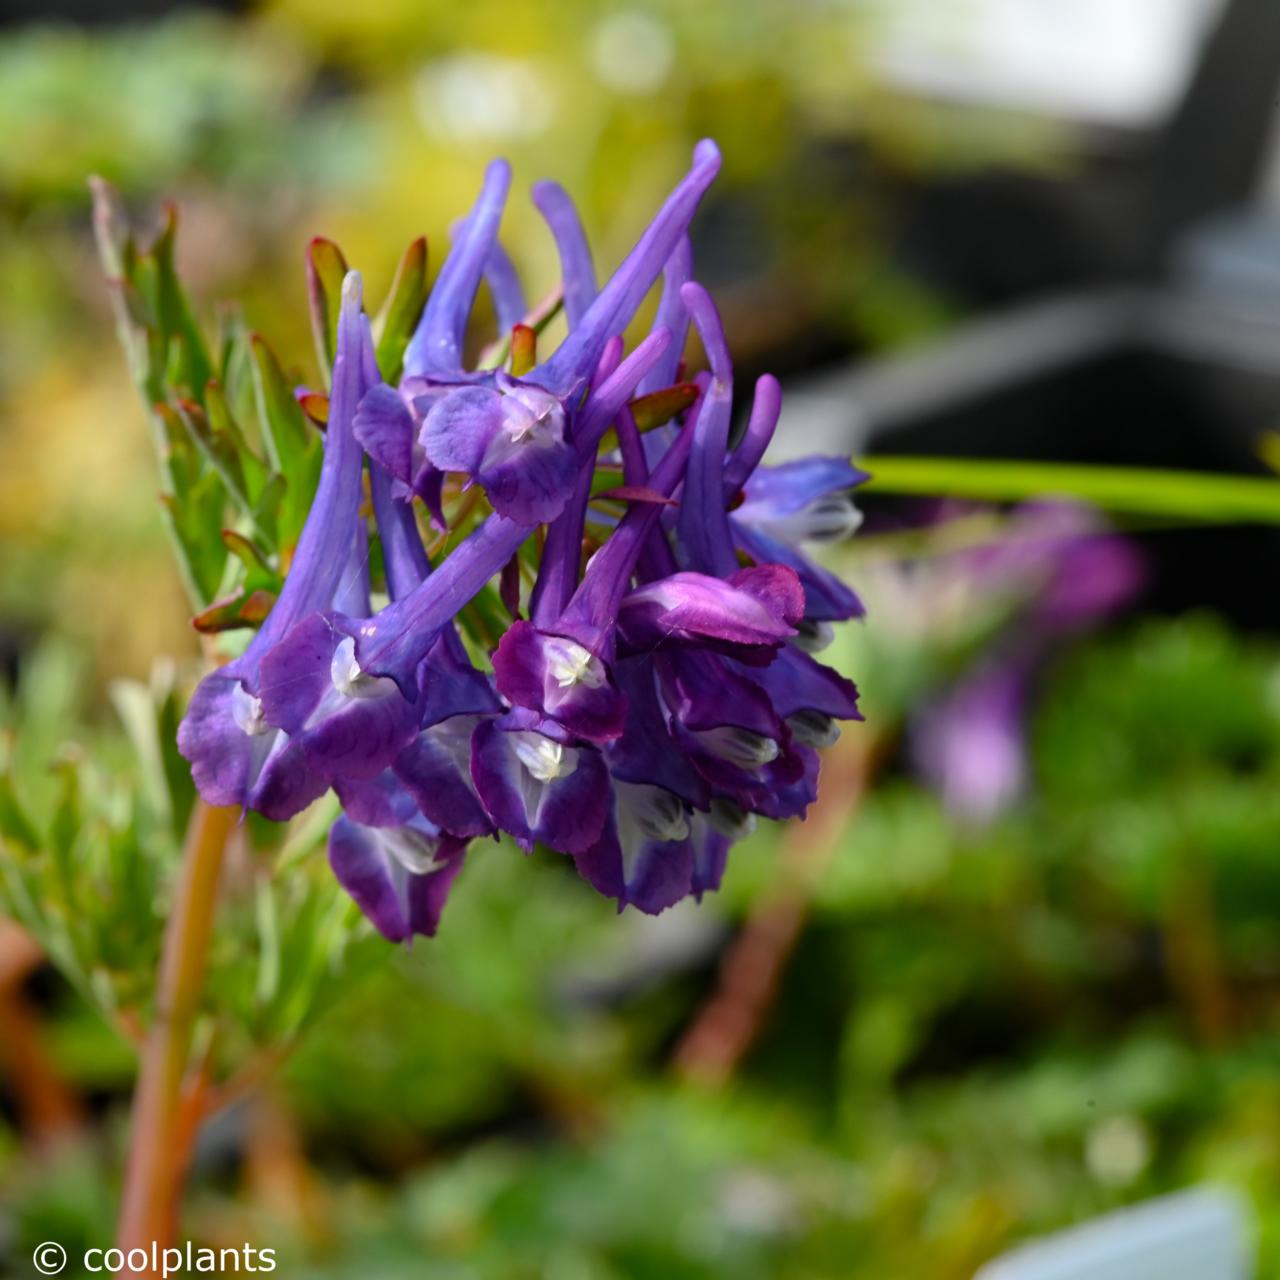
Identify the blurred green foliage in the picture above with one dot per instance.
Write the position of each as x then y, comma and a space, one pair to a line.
983, 1033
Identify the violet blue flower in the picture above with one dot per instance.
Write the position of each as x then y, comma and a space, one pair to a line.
399, 871
649, 699
238, 755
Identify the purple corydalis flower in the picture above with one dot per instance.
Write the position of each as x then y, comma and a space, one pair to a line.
1069, 572
805, 501
653, 702
563, 670
398, 870
536, 784
969, 745
238, 755
509, 439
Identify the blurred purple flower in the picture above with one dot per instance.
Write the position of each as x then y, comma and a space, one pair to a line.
1067, 572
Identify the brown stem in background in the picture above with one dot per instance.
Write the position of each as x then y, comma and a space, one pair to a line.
47, 1108
279, 1179
1197, 971
728, 1024
162, 1133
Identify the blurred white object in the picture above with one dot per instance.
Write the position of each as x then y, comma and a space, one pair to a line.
1194, 1235
1118, 63
470, 97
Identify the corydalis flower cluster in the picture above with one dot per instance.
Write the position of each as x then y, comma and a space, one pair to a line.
651, 703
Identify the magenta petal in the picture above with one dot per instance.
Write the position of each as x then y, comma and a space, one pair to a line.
756, 607
559, 678
827, 598
777, 587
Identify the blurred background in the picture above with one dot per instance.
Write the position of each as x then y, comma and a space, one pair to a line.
1022, 966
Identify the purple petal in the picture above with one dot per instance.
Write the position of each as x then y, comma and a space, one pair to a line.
706, 543
732, 763
398, 876
504, 284
459, 428
320, 558
560, 678
576, 269
374, 802
807, 500
646, 752
618, 300
673, 315
349, 724
428, 484
609, 392
766, 408
970, 743
436, 346
537, 788
436, 771
448, 684
756, 607
826, 597
238, 759
797, 684
644, 856
530, 481
384, 426
702, 691
791, 784
405, 630
1095, 575
710, 856
451, 686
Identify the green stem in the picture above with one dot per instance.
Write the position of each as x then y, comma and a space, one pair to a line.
158, 1141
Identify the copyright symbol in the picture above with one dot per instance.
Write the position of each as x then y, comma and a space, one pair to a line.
49, 1258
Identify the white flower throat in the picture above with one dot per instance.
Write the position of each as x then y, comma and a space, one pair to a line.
415, 851
570, 664
529, 414
742, 747
830, 517
814, 729
246, 711
543, 758
658, 813
348, 678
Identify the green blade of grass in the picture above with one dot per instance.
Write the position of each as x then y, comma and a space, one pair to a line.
1183, 495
